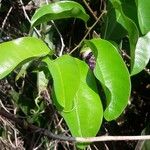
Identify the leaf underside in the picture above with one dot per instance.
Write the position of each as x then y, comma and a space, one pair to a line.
142, 54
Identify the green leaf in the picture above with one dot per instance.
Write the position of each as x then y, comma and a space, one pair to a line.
59, 10
130, 26
76, 78
66, 77
111, 29
144, 15
87, 104
130, 9
20, 50
111, 71
142, 54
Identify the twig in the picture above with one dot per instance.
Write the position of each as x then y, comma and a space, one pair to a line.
89, 8
34, 128
113, 138
27, 17
4, 22
147, 71
125, 54
89, 30
1, 105
11, 143
61, 39
49, 134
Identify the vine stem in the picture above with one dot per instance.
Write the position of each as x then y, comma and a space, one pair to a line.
89, 8
113, 138
49, 134
89, 30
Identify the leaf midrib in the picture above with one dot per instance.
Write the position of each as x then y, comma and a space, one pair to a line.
63, 87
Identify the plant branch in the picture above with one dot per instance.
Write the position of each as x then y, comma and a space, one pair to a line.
112, 138
60, 36
61, 39
25, 125
90, 10
50, 135
27, 17
4, 22
89, 30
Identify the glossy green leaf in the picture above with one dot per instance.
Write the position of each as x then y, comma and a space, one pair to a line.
19, 50
87, 105
66, 77
144, 15
111, 71
111, 29
85, 117
129, 25
59, 10
142, 54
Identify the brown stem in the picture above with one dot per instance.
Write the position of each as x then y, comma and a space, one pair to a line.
89, 8
49, 134
34, 128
